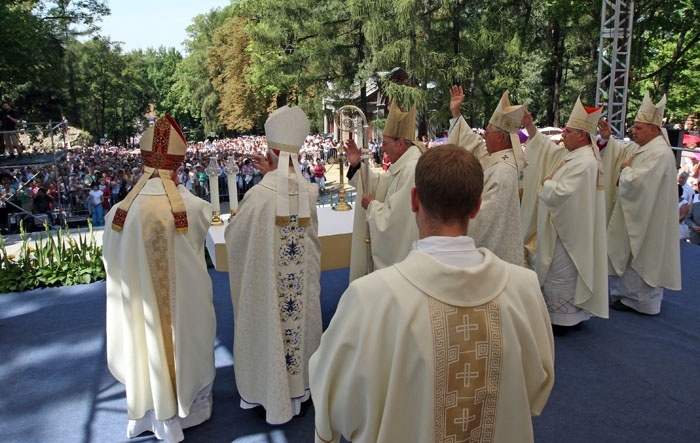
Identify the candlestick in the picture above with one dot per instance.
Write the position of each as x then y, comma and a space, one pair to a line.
213, 171
231, 169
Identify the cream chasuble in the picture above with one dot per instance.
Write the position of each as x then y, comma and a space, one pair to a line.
275, 274
392, 226
570, 207
613, 155
428, 352
497, 225
643, 226
160, 317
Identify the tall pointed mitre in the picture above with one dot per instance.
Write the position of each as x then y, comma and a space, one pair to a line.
653, 114
509, 118
401, 124
286, 130
163, 149
585, 118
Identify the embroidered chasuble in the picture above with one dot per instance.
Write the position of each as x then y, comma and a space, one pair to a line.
468, 370
497, 225
274, 273
160, 316
429, 352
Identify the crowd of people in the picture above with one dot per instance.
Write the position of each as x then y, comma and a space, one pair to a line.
57, 192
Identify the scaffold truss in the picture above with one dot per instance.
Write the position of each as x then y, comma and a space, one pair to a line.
614, 53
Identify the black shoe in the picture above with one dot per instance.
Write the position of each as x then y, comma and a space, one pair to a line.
619, 306
559, 330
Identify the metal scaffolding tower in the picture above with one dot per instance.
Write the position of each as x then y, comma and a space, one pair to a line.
614, 53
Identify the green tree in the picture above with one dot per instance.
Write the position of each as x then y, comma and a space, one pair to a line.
240, 108
665, 56
195, 101
31, 51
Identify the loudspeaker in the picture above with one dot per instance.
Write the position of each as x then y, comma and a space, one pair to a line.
675, 136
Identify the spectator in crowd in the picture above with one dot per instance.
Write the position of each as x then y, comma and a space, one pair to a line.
449, 332
320, 175
385, 162
683, 210
9, 124
688, 191
42, 203
95, 198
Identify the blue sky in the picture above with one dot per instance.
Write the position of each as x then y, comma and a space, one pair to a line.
141, 24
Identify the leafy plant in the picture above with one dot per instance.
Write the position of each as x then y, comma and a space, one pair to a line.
60, 260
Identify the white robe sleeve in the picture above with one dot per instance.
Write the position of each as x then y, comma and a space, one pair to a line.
543, 157
461, 134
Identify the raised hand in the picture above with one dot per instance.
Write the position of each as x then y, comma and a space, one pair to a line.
529, 124
456, 100
353, 153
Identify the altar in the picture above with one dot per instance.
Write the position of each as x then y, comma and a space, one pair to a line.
334, 231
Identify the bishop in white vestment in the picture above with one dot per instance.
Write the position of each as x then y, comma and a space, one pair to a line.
497, 225
571, 243
274, 257
382, 220
160, 316
643, 246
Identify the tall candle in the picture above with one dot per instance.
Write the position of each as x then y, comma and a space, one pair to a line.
232, 191
214, 191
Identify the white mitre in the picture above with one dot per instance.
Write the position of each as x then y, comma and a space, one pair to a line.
286, 130
651, 113
509, 118
585, 118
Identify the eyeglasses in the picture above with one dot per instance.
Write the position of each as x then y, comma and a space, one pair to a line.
490, 131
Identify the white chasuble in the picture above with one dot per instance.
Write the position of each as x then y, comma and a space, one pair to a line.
388, 219
160, 317
428, 352
571, 208
275, 274
497, 225
643, 227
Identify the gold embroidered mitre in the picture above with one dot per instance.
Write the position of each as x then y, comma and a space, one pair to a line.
163, 149
401, 124
506, 116
509, 118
